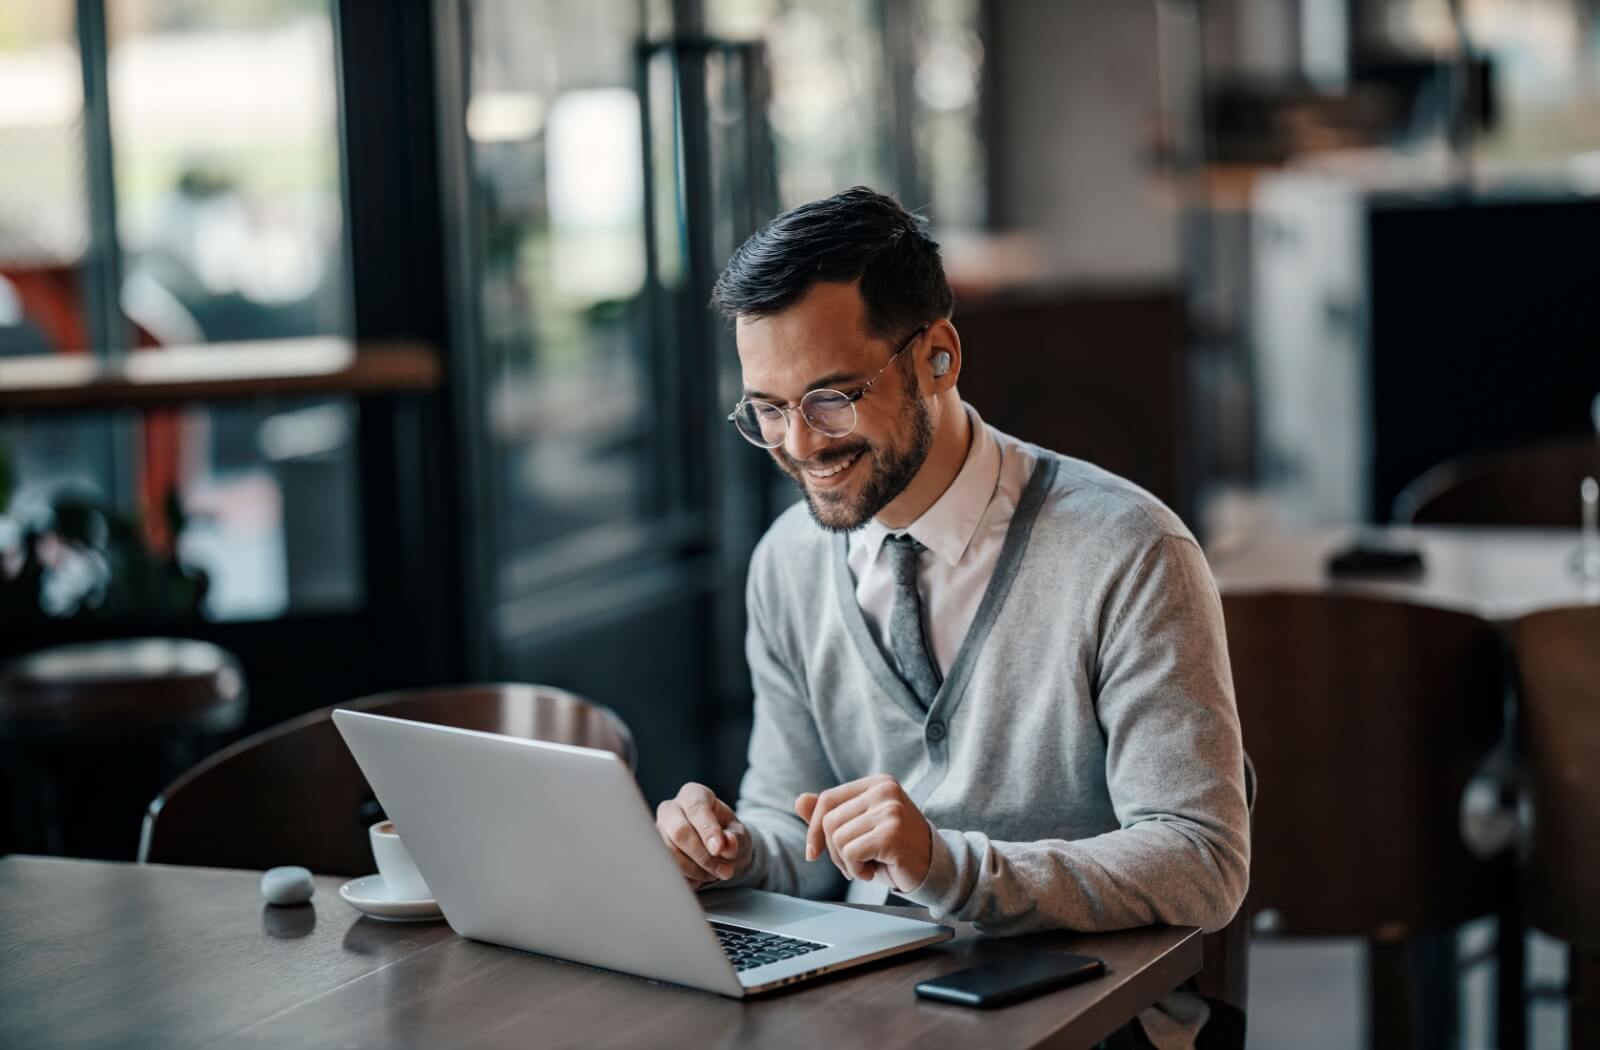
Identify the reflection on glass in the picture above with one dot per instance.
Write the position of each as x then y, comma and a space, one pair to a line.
44, 242
274, 518
230, 222
264, 517
830, 118
229, 208
554, 124
44, 220
947, 81
557, 167
224, 122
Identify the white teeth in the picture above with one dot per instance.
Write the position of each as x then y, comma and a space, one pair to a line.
831, 471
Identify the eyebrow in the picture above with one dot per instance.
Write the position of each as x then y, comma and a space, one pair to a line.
829, 380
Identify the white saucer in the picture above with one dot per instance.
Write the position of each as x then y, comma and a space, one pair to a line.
370, 896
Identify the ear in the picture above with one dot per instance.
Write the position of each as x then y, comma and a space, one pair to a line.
942, 356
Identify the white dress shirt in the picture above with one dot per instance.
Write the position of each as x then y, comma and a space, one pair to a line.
964, 531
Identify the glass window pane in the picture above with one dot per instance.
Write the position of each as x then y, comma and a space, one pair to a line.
553, 121
225, 128
947, 81
44, 220
273, 512
44, 246
268, 500
830, 113
230, 220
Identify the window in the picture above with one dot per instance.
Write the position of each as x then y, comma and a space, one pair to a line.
205, 210
605, 197
553, 123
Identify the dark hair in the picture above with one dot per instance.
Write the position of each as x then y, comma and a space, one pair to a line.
858, 235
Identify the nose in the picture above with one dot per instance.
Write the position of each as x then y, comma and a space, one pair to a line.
801, 442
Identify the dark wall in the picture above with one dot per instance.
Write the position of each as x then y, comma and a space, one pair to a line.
644, 660
1092, 374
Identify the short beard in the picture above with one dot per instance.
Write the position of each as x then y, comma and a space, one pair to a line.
891, 471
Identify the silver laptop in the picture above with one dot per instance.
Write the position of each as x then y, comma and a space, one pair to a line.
551, 849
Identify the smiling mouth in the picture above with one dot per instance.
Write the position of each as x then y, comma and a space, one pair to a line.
829, 471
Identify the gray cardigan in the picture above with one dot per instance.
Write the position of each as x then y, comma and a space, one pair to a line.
1081, 762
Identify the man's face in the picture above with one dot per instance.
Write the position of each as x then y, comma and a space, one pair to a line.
822, 342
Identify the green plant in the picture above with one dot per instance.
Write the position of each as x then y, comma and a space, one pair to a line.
70, 556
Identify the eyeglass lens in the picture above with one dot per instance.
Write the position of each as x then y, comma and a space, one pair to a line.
828, 412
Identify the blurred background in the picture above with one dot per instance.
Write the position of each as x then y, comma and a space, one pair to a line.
366, 343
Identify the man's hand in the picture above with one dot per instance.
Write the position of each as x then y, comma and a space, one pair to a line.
869, 826
702, 834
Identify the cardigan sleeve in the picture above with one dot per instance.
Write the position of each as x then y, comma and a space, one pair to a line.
786, 758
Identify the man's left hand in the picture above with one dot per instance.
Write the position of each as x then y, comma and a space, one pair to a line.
869, 826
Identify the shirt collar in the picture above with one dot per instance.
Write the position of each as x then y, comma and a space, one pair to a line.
947, 527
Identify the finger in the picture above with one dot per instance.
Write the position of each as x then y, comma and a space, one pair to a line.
693, 873
816, 809
816, 840
732, 830
838, 817
700, 806
863, 844
804, 806
677, 829
735, 841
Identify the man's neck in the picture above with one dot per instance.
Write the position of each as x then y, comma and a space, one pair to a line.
952, 439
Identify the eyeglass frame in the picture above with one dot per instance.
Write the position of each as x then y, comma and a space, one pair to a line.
850, 399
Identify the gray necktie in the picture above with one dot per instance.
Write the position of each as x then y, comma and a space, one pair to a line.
907, 641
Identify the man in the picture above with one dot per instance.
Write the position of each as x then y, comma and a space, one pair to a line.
988, 677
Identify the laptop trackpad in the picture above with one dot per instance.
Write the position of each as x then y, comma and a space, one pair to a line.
764, 909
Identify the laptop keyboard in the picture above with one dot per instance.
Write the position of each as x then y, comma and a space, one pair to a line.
747, 949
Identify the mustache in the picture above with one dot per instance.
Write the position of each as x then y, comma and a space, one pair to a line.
825, 458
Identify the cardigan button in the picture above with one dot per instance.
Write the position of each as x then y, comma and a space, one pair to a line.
936, 731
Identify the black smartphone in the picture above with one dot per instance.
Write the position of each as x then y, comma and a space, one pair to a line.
1373, 561
1012, 979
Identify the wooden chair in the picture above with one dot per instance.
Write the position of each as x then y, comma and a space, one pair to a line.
1536, 485
293, 795
1365, 719
1557, 654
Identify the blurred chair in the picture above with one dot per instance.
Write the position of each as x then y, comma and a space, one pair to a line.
1558, 668
176, 695
293, 795
1366, 718
1535, 485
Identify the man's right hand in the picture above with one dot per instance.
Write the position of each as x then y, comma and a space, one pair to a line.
702, 834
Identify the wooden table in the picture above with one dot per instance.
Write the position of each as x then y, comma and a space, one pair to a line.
99, 954
1498, 574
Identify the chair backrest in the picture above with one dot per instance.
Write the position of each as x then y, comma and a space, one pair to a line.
292, 794
1558, 670
1365, 719
1536, 485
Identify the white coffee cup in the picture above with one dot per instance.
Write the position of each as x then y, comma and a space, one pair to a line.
399, 871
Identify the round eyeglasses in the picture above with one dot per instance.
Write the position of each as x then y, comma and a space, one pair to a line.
831, 413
